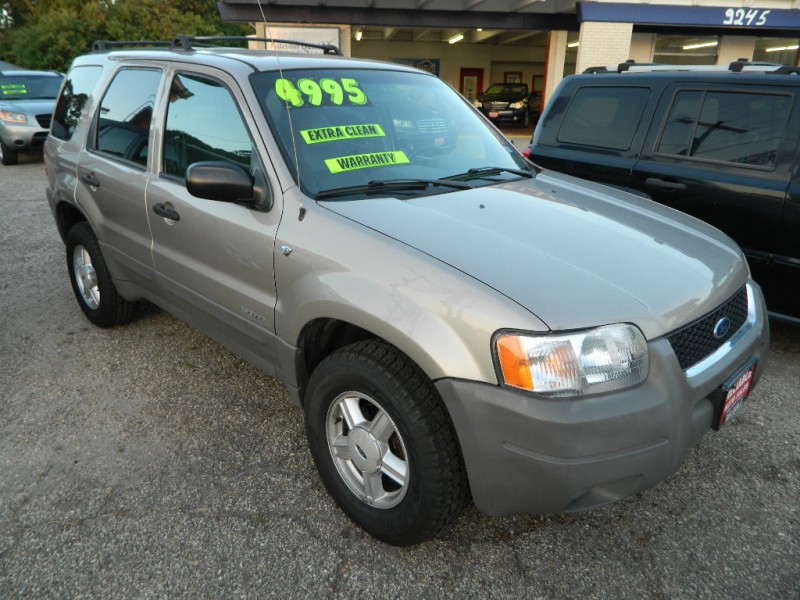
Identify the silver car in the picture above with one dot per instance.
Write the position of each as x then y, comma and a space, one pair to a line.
26, 105
456, 323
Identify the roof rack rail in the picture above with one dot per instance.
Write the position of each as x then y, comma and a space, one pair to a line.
737, 66
189, 42
105, 45
593, 70
786, 70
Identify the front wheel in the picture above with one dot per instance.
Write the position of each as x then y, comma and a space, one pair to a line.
7, 155
91, 281
384, 445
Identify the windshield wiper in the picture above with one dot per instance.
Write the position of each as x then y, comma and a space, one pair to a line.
391, 185
483, 172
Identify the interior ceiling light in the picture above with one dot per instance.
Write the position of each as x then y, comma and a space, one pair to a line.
456, 38
703, 45
573, 45
781, 48
359, 35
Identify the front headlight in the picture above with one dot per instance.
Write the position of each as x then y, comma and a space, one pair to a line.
516, 105
12, 117
608, 358
477, 104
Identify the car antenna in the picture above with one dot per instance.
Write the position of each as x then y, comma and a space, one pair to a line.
302, 213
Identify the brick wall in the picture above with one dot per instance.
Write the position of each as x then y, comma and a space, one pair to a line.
603, 44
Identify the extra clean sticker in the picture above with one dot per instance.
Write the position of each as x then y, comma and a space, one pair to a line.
343, 132
366, 161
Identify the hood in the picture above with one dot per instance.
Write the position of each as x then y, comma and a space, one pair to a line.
575, 254
509, 97
29, 106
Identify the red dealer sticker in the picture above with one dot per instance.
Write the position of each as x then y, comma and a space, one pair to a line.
736, 394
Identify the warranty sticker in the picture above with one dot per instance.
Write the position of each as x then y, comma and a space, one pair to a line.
366, 161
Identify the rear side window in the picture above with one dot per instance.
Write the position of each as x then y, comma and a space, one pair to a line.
73, 99
123, 124
733, 127
606, 117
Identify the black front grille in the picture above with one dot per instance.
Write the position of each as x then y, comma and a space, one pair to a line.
432, 126
44, 120
697, 340
496, 105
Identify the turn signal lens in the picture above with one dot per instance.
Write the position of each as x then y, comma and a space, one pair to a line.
514, 363
605, 359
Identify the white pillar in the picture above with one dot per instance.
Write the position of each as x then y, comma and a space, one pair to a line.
554, 64
603, 44
733, 47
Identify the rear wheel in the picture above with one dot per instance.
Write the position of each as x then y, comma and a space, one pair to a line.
384, 445
91, 281
7, 155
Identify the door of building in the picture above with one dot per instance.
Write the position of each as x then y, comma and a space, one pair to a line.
471, 83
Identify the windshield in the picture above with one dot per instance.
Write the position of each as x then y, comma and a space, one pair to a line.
357, 127
506, 89
29, 87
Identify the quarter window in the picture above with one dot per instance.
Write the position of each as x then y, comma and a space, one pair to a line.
604, 116
203, 123
73, 99
731, 127
123, 126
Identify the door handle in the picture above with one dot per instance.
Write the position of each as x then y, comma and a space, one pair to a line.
167, 213
90, 179
661, 184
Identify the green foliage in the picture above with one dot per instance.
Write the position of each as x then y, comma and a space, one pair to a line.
48, 34
51, 40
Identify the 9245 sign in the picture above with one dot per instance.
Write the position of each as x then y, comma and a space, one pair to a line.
746, 17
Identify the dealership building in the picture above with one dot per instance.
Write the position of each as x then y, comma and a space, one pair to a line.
473, 43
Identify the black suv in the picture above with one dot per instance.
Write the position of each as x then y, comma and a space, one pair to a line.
720, 145
509, 103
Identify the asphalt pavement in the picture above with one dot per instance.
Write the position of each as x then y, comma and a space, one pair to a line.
148, 461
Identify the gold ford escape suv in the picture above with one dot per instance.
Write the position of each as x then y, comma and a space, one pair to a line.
455, 323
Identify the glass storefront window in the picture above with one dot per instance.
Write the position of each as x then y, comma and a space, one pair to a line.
686, 50
777, 50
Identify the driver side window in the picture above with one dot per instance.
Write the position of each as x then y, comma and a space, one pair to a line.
203, 124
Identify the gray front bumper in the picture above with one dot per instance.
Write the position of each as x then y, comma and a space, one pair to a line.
527, 454
24, 137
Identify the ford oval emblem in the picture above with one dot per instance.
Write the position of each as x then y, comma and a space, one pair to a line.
722, 327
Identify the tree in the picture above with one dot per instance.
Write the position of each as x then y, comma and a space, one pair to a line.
48, 34
51, 40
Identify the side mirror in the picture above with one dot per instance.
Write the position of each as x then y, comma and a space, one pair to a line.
228, 182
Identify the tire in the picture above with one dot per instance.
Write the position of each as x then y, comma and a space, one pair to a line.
91, 281
8, 156
371, 411
526, 120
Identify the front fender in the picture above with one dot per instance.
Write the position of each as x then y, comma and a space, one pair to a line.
441, 318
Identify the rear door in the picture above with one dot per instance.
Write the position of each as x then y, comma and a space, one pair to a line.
112, 171
595, 131
722, 155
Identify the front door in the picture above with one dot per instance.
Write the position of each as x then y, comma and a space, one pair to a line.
213, 259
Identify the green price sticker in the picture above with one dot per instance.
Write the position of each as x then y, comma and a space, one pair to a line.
13, 88
310, 92
341, 132
366, 161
